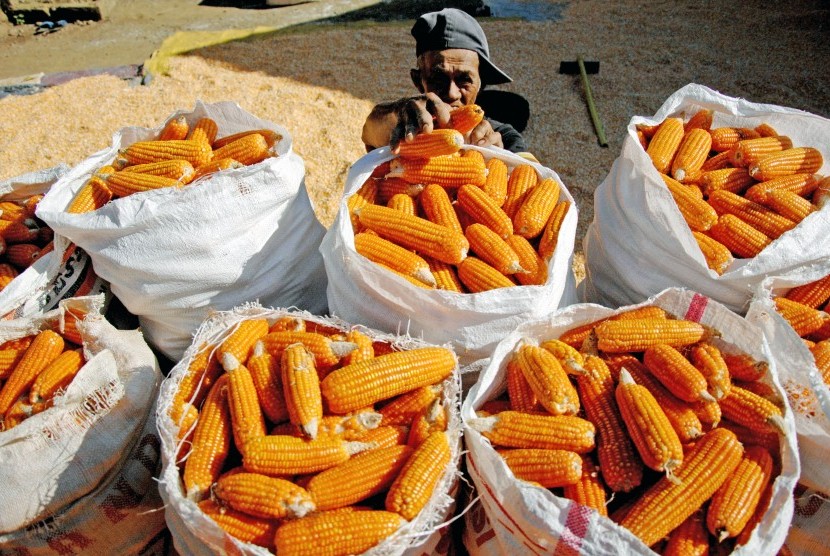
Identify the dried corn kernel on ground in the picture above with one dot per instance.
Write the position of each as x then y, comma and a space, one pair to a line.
324, 96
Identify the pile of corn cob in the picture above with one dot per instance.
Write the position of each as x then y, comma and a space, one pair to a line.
444, 217
23, 237
177, 157
800, 306
294, 433
737, 188
36, 368
651, 409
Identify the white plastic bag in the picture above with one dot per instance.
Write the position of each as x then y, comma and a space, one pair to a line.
638, 243
173, 255
524, 517
80, 476
196, 534
360, 291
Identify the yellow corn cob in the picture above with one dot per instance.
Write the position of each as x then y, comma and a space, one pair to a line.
647, 130
617, 336
766, 130
751, 410
691, 154
725, 138
352, 426
202, 372
759, 217
93, 195
478, 276
143, 152
439, 142
388, 187
415, 233
492, 249
403, 203
621, 467
390, 255
550, 236
716, 162
45, 348
803, 319
240, 342
734, 180
664, 144
735, 501
18, 232
744, 367
465, 118
241, 526
689, 539
385, 436
123, 184
365, 349
669, 503
717, 255
403, 409
431, 419
361, 477
813, 294
749, 151
701, 119
570, 358
647, 425
9, 210
293, 455
438, 208
760, 510
821, 195
179, 170
548, 380
18, 343
17, 413
246, 415
204, 130
56, 375
419, 476
327, 353
366, 195
588, 490
8, 360
535, 209
483, 209
269, 135
265, 373
549, 468
366, 382
496, 184
322, 534
515, 429
789, 205
676, 373
262, 496
707, 358
446, 171
697, 213
246, 150
301, 388
743, 240
535, 269
796, 160
444, 275
216, 166
801, 184
522, 179
211, 442
821, 354
521, 395
22, 255
174, 129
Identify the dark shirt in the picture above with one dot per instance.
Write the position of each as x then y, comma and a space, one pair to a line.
512, 139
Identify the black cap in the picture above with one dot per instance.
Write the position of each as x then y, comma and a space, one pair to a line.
453, 28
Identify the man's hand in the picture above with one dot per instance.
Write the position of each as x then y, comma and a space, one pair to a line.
419, 114
484, 136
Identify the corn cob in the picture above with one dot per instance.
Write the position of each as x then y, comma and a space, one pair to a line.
301, 388
45, 348
216, 165
522, 179
22, 255
759, 217
271, 137
717, 162
751, 410
589, 489
676, 373
246, 414
202, 372
351, 426
262, 496
415, 233
437, 207
123, 184
570, 358
21, 343
536, 207
265, 373
8, 360
621, 467
385, 436
204, 130
801, 184
326, 352
550, 235
292, 455
744, 367
419, 476
211, 442
496, 184
432, 418
796, 160
241, 526
664, 144
389, 187
93, 195
403, 203
707, 358
733, 180
465, 118
17, 413
535, 270
366, 382
446, 171
246, 150
548, 468
174, 129
492, 249
56, 375
803, 319
521, 395
667, 504
322, 534
288, 323
514, 429
388, 254
813, 294
617, 336
648, 130
689, 539
478, 276
717, 255
240, 342
483, 209
439, 142
701, 119
789, 205
445, 276
179, 170
358, 478
725, 138
821, 195
365, 348
143, 152
14, 212
760, 510
691, 154
743, 240
403, 409
697, 213
547, 379
18, 232
749, 151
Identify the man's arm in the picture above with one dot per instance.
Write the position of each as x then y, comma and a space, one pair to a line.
390, 123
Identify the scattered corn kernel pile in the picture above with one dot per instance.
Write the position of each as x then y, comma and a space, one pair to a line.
649, 409
24, 238
738, 189
177, 157
294, 433
442, 217
36, 368
805, 308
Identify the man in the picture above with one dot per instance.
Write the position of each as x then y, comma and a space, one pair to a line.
453, 65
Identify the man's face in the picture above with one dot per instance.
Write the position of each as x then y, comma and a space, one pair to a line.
451, 74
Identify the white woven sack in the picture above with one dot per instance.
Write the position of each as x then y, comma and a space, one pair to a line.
361, 291
808, 395
195, 534
80, 476
638, 243
59, 274
174, 254
525, 517
808, 533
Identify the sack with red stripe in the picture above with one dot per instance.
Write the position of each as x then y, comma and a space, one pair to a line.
528, 518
